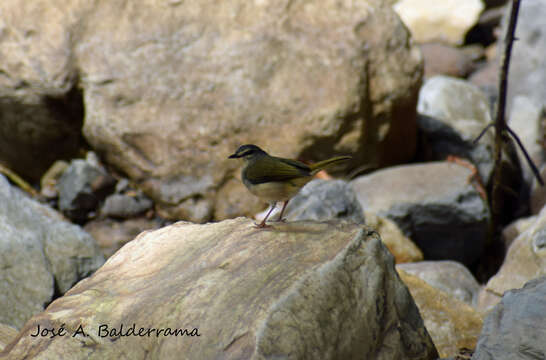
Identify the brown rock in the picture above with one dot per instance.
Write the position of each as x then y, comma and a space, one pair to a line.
299, 290
441, 59
111, 235
486, 77
452, 324
183, 83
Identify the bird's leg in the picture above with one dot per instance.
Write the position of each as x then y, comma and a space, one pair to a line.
282, 210
262, 224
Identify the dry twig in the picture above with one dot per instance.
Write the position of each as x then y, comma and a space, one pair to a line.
17, 180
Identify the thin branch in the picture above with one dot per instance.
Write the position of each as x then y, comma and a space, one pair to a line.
527, 157
17, 180
500, 122
503, 79
482, 133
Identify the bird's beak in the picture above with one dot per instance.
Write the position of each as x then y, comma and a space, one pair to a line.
233, 156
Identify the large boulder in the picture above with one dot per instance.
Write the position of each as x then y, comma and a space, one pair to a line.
302, 290
170, 89
42, 255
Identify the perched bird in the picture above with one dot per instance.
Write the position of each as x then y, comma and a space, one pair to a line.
276, 179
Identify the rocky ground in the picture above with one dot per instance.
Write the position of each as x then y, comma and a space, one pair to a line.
121, 116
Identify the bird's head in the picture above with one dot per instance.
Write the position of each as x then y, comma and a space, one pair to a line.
247, 152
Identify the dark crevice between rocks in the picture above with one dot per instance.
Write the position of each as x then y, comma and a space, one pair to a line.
34, 135
57, 293
70, 109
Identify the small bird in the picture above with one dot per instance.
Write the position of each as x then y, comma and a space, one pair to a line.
276, 179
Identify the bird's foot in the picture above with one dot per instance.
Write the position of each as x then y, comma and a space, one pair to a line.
262, 225
283, 220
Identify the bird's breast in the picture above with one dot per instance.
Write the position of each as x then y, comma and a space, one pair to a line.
277, 190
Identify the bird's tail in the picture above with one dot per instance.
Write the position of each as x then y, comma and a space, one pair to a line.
316, 167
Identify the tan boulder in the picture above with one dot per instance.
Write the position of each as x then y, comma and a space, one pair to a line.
170, 89
452, 324
301, 290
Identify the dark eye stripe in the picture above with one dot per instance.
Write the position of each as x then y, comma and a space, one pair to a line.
245, 153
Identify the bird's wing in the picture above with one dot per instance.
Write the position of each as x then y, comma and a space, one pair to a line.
276, 169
